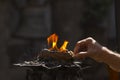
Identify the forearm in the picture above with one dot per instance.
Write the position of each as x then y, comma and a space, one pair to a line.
111, 58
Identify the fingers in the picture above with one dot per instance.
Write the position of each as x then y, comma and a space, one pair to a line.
81, 55
86, 48
82, 45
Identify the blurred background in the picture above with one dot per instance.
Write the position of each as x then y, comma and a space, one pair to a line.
26, 24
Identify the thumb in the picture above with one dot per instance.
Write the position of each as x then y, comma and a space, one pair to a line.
81, 55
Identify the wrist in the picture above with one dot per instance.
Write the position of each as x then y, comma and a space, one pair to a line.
104, 55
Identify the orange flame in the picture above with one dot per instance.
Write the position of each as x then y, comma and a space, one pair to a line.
63, 47
53, 39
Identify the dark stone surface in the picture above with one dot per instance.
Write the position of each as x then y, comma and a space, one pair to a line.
60, 73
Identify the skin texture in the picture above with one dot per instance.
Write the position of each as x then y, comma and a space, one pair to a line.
90, 48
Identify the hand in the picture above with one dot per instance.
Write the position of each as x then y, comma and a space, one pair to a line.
89, 48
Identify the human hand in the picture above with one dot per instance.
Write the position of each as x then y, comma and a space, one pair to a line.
89, 48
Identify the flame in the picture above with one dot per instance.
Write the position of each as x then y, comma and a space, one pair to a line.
52, 40
63, 47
